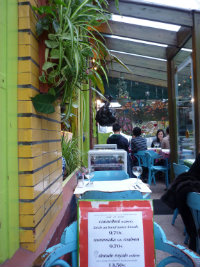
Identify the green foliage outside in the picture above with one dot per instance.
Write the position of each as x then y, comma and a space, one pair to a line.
71, 154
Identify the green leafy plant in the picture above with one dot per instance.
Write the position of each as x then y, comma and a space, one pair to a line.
71, 154
75, 52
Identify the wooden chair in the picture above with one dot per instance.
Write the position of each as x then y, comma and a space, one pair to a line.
178, 169
153, 169
110, 175
69, 242
193, 201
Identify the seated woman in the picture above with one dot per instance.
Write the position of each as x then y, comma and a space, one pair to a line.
176, 197
158, 139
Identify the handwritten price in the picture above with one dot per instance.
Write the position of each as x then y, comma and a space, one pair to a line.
115, 233
117, 265
115, 246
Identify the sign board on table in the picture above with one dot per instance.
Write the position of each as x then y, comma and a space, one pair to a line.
116, 233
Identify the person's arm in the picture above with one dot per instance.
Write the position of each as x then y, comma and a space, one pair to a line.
126, 145
195, 168
163, 144
152, 144
132, 147
145, 142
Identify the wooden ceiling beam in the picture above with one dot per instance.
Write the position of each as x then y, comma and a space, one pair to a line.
149, 11
134, 47
182, 39
183, 35
141, 61
139, 32
155, 74
138, 78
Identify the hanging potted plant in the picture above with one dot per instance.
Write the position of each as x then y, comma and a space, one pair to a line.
72, 41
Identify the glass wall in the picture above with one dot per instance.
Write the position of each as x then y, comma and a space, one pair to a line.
184, 99
140, 104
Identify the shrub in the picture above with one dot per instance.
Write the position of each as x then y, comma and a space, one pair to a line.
70, 152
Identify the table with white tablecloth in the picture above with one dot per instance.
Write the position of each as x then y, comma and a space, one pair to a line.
113, 186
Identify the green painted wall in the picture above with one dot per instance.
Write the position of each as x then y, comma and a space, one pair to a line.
83, 124
9, 215
102, 138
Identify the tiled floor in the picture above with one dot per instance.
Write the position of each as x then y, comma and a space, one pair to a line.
173, 233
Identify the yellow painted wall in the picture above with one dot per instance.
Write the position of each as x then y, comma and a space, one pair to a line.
39, 144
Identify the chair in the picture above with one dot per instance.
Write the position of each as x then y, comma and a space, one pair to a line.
69, 244
193, 202
178, 169
109, 175
153, 169
141, 157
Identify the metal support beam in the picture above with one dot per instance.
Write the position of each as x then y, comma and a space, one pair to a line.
196, 78
172, 112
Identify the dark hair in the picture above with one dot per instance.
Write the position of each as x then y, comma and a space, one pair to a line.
116, 127
159, 130
137, 131
167, 130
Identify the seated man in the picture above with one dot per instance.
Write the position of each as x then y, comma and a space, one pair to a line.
122, 143
138, 143
117, 138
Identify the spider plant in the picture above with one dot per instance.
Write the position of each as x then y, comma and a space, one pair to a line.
75, 51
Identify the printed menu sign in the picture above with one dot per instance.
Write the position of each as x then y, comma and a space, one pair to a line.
115, 239
116, 234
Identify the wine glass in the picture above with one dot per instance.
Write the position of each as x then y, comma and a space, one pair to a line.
156, 144
90, 175
137, 171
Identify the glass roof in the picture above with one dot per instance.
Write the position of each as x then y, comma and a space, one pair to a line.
184, 4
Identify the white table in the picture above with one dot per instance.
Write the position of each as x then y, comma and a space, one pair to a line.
113, 186
165, 153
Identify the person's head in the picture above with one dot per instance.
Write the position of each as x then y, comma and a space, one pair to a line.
116, 127
160, 134
167, 130
137, 131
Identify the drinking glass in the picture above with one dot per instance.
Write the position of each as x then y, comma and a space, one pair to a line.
90, 175
137, 171
156, 145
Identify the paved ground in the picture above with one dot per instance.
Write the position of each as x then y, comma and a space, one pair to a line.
173, 233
